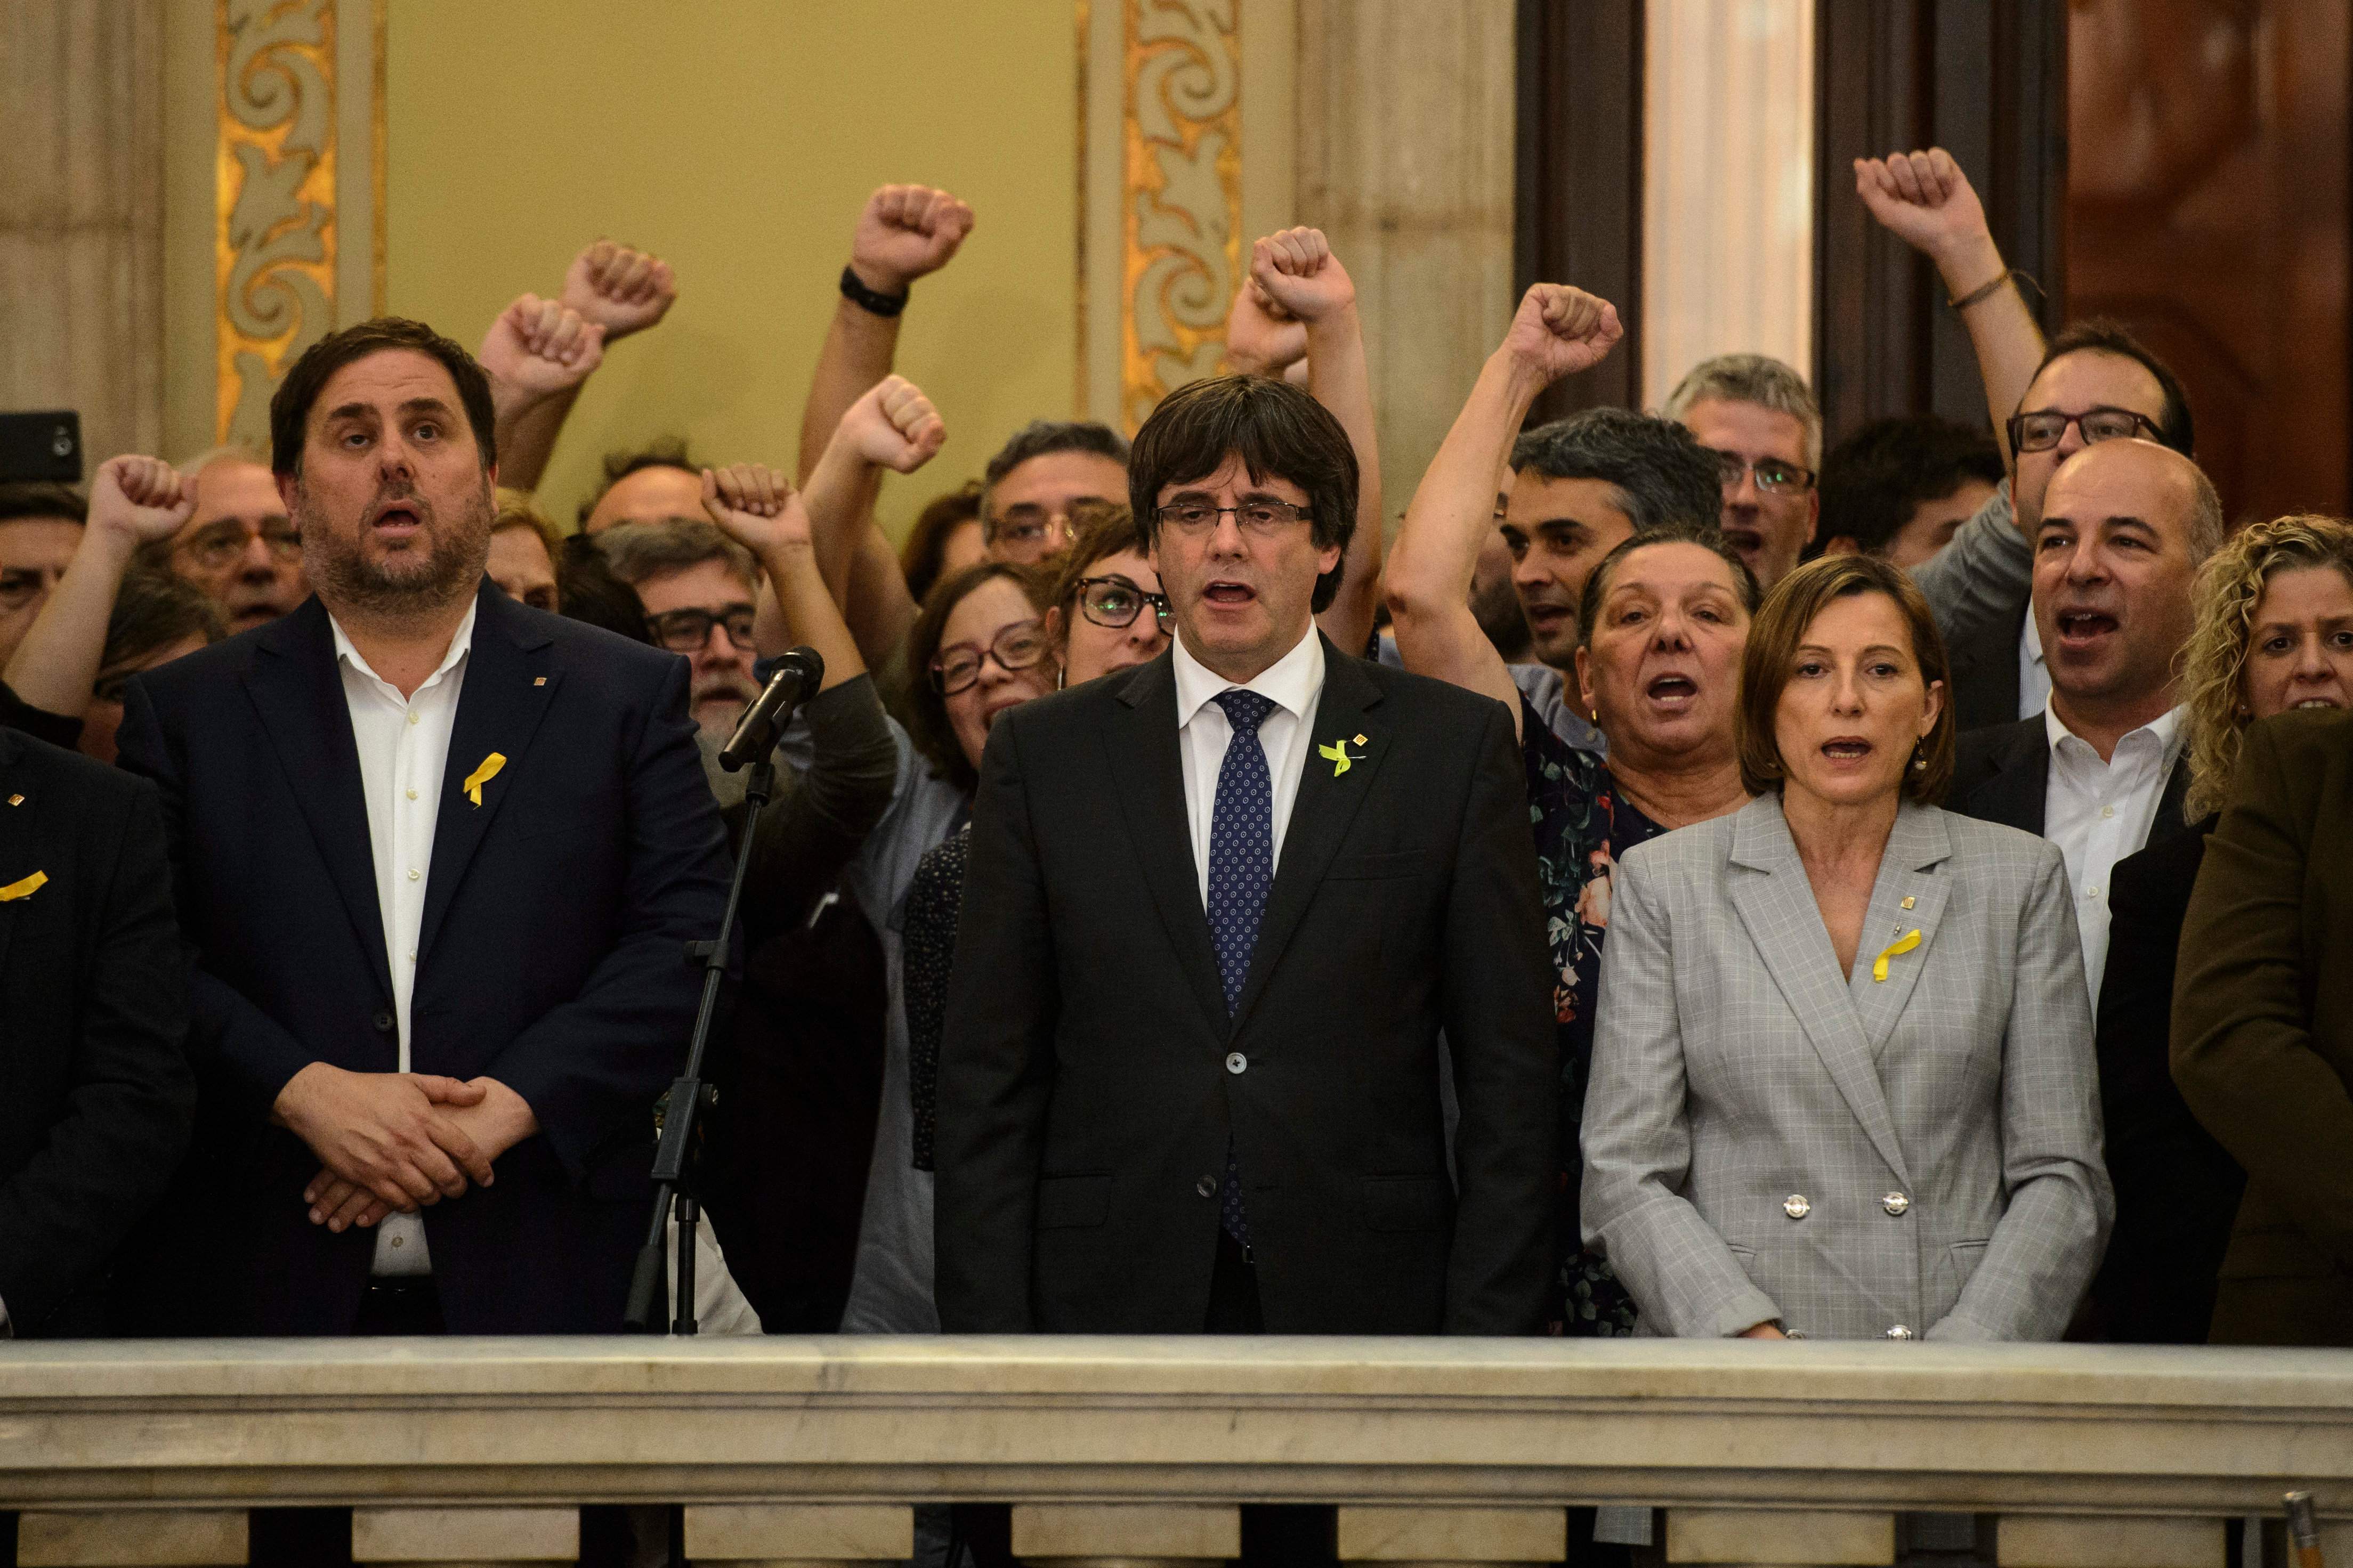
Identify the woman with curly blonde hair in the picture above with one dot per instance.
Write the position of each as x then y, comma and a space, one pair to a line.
2273, 630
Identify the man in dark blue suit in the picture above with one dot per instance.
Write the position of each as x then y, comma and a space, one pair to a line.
438, 855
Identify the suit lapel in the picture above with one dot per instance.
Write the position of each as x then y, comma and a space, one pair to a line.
1141, 744
1320, 815
1775, 903
2171, 818
511, 679
297, 689
19, 844
2020, 788
1918, 844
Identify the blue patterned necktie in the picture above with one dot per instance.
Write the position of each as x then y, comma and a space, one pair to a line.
1241, 870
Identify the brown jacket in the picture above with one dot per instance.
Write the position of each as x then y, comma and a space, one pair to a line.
2262, 1029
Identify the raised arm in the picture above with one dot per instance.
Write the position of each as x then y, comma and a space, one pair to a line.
1294, 278
611, 287
891, 426
132, 500
1558, 331
1925, 200
754, 505
906, 232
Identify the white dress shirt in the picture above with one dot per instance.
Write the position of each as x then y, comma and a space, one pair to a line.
2098, 813
403, 745
2033, 674
1295, 684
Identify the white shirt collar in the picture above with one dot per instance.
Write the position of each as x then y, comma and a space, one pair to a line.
1291, 682
461, 642
2165, 729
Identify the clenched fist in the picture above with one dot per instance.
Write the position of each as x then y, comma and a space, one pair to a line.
618, 289
1261, 337
139, 498
1924, 199
755, 506
1559, 331
895, 425
905, 232
1296, 270
538, 347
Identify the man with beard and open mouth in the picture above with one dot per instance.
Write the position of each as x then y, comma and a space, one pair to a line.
2125, 526
438, 855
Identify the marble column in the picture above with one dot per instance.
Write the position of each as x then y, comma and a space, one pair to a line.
1404, 144
82, 215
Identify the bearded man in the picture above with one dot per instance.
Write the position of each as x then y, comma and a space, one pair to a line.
438, 857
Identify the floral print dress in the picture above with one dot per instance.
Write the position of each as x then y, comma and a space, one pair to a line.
1582, 825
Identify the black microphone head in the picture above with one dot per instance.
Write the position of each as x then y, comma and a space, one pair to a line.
812, 667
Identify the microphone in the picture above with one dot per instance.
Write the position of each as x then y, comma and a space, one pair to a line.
798, 675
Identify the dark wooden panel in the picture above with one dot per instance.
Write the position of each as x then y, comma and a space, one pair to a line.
1578, 174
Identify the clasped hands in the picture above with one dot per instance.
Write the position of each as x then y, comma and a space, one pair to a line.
402, 1141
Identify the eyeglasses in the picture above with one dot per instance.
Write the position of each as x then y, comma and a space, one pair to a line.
221, 545
1114, 602
685, 631
1774, 476
2046, 428
1018, 646
1259, 517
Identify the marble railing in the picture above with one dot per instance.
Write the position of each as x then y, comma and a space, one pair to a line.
808, 1450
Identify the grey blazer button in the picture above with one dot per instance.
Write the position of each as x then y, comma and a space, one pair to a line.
1797, 1205
1207, 1186
1237, 1062
1899, 1332
1896, 1202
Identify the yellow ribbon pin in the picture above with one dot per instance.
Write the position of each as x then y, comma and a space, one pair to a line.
1901, 945
24, 889
1337, 754
484, 775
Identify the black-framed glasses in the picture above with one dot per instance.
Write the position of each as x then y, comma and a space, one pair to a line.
685, 631
1114, 602
2046, 428
221, 544
1264, 516
1018, 646
1774, 476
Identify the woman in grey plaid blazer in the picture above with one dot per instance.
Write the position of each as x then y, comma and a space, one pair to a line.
1842, 1080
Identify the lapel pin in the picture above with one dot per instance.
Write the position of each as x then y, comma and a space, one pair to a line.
1907, 900
1902, 946
1360, 739
539, 680
483, 774
25, 887
1337, 754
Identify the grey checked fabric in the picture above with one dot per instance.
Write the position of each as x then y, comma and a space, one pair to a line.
1241, 870
1735, 1071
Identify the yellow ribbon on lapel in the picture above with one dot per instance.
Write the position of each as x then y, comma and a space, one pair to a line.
1901, 945
24, 889
1337, 754
484, 775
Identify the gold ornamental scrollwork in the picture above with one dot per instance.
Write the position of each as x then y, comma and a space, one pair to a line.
1182, 227
274, 183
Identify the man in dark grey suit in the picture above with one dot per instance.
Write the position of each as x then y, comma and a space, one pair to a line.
1216, 914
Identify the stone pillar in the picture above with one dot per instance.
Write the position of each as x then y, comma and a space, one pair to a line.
1429, 1536
805, 1535
1130, 1535
2060, 1540
1789, 1537
132, 1538
465, 1537
1405, 160
81, 217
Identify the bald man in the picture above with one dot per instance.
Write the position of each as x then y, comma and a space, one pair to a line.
2099, 771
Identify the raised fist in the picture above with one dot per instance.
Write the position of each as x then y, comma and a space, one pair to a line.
1261, 337
1297, 271
1922, 198
1559, 331
541, 346
905, 232
895, 425
617, 289
755, 506
139, 498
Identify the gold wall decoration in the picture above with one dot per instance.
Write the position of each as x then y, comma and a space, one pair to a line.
298, 177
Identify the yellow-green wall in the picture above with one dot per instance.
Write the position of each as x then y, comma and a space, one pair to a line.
738, 140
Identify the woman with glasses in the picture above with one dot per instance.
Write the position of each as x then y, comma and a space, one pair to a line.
1108, 614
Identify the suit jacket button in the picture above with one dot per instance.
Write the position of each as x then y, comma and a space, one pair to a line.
1237, 1062
383, 1022
1896, 1202
1207, 1186
1899, 1332
1797, 1205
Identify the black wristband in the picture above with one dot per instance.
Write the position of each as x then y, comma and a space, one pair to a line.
854, 289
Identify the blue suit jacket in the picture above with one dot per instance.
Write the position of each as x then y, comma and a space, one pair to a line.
551, 958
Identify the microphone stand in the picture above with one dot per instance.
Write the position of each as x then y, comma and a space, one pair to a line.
756, 738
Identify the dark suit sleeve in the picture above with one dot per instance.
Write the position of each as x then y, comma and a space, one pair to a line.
127, 1117
996, 1061
255, 1055
1498, 981
590, 1069
2242, 1046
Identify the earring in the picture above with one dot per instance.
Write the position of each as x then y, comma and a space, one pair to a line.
1919, 762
